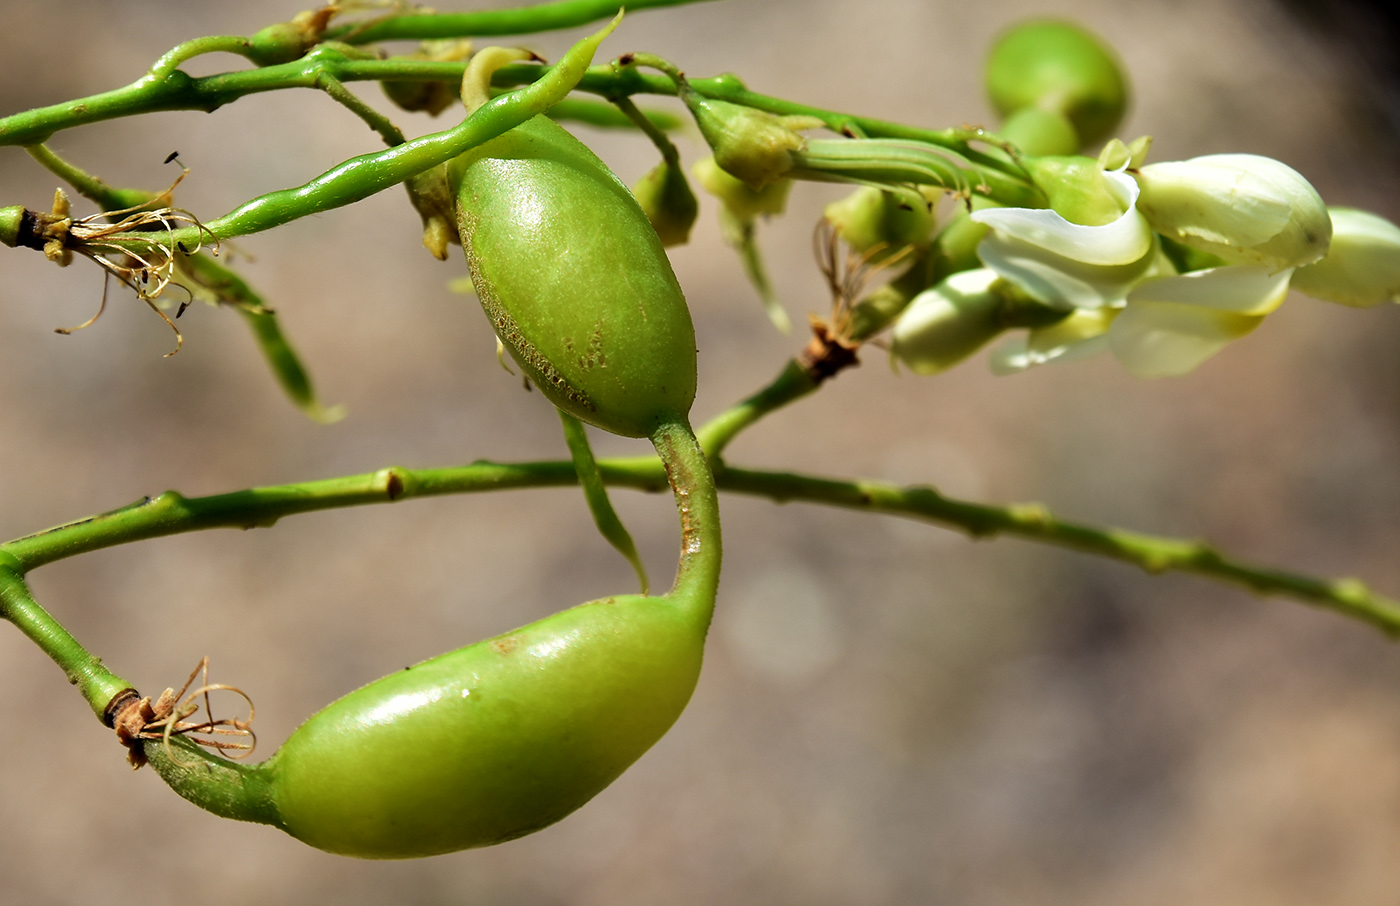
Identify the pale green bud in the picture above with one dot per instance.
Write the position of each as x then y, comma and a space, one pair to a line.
1035, 131
949, 322
744, 203
11, 220
670, 205
870, 219
1079, 190
754, 145
1362, 267
1244, 208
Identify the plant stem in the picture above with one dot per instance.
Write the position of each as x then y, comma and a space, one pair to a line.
170, 514
363, 176
1004, 181
595, 494
98, 685
525, 20
691, 479
792, 383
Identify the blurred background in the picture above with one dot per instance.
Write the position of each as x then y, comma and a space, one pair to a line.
889, 713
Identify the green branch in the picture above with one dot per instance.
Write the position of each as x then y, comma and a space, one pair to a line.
99, 686
525, 20
1004, 181
171, 514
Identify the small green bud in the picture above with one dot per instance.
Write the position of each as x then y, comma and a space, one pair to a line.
432, 198
288, 41
1058, 67
1040, 132
874, 221
949, 322
1077, 189
753, 145
11, 219
670, 205
746, 204
1245, 208
955, 247
1362, 266
430, 97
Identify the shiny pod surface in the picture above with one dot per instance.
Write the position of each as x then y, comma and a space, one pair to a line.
574, 279
492, 741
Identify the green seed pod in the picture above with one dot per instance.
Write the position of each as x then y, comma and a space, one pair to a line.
1059, 67
503, 737
574, 279
547, 716
495, 740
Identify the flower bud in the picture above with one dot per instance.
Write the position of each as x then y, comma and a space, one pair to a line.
1058, 67
430, 97
1037, 132
288, 41
1244, 208
949, 322
432, 199
1079, 190
744, 203
11, 219
1362, 267
871, 220
754, 145
668, 202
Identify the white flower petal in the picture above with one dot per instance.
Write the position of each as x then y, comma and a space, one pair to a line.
1165, 339
1121, 242
1062, 282
1243, 288
1010, 357
1078, 336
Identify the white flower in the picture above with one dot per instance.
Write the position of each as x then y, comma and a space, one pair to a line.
1173, 324
1362, 267
1244, 208
1069, 265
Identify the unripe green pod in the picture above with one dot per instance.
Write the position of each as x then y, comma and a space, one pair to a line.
549, 715
503, 737
574, 279
495, 740
1059, 67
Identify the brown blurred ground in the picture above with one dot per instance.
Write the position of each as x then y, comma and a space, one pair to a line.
889, 713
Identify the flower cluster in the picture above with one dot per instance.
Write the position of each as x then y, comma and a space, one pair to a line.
1162, 264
